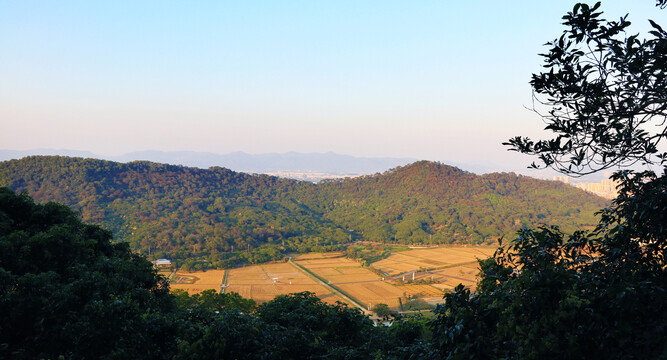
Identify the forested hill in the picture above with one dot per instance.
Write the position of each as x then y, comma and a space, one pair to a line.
219, 214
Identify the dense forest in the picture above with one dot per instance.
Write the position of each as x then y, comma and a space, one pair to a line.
68, 292
227, 217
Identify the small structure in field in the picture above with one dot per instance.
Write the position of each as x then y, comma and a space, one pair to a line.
162, 263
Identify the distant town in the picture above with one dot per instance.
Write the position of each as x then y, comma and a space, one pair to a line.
310, 175
605, 188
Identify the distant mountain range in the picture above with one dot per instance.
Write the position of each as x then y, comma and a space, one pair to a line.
328, 163
184, 212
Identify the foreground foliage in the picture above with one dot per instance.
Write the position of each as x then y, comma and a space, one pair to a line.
67, 290
593, 295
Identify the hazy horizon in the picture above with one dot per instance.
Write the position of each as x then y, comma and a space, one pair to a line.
431, 80
256, 161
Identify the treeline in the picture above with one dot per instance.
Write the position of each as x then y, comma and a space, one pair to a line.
229, 218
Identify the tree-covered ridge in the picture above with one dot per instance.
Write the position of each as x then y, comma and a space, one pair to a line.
428, 202
220, 214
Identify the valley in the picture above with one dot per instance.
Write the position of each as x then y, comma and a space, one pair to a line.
216, 218
413, 279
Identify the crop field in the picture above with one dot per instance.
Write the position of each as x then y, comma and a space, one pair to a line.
432, 258
268, 274
360, 283
196, 282
437, 270
373, 292
264, 282
263, 293
338, 270
329, 255
420, 291
447, 279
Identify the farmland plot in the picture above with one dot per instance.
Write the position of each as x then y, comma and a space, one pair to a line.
447, 266
421, 291
360, 283
196, 282
327, 255
264, 282
447, 279
431, 258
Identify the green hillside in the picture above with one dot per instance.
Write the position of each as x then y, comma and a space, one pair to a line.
229, 217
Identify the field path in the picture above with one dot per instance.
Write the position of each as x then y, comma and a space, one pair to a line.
327, 286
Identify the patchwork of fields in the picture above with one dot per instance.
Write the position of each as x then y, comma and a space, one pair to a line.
432, 258
421, 274
357, 282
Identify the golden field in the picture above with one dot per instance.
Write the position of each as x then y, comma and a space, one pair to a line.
360, 283
264, 282
437, 270
329, 255
432, 258
338, 270
198, 281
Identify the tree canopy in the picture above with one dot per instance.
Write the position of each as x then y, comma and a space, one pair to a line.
605, 95
598, 294
66, 290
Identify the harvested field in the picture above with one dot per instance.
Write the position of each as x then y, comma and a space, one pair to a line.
196, 282
268, 274
358, 282
373, 292
195, 289
420, 290
329, 255
448, 266
451, 277
264, 282
432, 258
263, 293
339, 270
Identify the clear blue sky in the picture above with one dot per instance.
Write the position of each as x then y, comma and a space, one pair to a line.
436, 80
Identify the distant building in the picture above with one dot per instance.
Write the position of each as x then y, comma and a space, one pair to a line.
606, 188
564, 179
160, 263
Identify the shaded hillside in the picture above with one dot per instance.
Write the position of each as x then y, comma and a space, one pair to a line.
184, 212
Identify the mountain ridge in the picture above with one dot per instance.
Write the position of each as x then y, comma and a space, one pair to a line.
184, 212
328, 162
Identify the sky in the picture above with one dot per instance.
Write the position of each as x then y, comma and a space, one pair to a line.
436, 80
